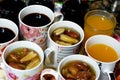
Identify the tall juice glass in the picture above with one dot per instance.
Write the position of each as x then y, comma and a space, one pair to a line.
98, 22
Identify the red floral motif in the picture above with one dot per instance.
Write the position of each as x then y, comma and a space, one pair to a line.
12, 76
40, 40
34, 77
0, 55
29, 33
117, 37
3, 49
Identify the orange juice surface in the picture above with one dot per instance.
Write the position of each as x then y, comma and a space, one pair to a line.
98, 25
102, 52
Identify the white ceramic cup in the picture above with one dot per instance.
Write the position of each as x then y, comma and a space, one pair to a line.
5, 23
82, 58
49, 71
16, 74
37, 34
57, 51
106, 67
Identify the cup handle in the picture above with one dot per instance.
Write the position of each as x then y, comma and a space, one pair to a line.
49, 57
111, 76
58, 16
108, 69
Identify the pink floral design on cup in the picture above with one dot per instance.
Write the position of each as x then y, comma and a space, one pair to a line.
12, 76
34, 77
34, 34
28, 32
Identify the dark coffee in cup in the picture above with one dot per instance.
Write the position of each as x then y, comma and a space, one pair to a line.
6, 35
36, 19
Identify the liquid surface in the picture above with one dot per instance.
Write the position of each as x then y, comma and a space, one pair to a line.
36, 19
65, 36
6, 35
23, 58
98, 25
100, 22
102, 53
78, 70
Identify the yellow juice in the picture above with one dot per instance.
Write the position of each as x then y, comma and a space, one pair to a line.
98, 24
102, 52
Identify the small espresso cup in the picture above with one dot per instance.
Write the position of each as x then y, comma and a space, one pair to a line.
60, 43
11, 63
34, 21
105, 50
77, 67
8, 33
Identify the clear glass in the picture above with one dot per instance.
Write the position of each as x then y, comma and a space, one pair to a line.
105, 25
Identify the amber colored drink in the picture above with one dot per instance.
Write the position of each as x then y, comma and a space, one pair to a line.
102, 52
98, 24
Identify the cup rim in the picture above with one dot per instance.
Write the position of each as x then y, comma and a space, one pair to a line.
4, 62
81, 56
66, 21
49, 71
95, 36
38, 6
16, 34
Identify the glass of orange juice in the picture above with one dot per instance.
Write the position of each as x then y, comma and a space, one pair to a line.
99, 22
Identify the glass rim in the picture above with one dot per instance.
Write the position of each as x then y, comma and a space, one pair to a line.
103, 11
